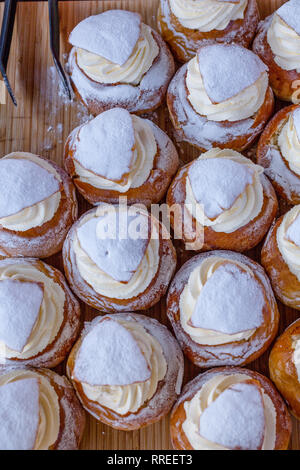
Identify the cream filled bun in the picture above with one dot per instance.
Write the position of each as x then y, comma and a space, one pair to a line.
38, 411
39, 316
278, 43
230, 409
279, 153
280, 255
119, 154
37, 205
222, 309
118, 257
127, 370
212, 107
117, 60
185, 24
226, 201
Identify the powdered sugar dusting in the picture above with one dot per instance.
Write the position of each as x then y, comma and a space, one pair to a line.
231, 301
227, 69
113, 34
19, 414
296, 119
293, 232
236, 418
290, 13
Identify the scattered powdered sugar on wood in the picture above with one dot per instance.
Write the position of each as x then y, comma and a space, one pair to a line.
227, 69
20, 304
218, 182
19, 414
19, 188
112, 34
293, 232
231, 301
109, 355
290, 14
236, 418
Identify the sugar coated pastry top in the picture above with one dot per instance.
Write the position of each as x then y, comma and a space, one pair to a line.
230, 412
222, 302
29, 411
24, 204
289, 141
114, 47
119, 364
207, 15
217, 93
288, 240
283, 36
224, 190
114, 151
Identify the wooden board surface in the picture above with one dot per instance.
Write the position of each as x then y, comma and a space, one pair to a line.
41, 124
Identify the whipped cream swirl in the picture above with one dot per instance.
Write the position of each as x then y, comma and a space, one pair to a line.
285, 44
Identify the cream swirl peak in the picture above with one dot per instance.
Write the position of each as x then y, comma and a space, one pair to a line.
288, 240
114, 47
208, 15
138, 360
223, 190
234, 289
246, 416
289, 141
114, 151
216, 93
296, 355
283, 36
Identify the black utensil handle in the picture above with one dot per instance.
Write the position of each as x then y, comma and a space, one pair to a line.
7, 30
54, 26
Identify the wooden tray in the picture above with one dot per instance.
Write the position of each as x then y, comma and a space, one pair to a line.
41, 124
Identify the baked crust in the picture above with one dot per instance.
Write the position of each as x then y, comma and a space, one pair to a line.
281, 80
72, 415
243, 239
178, 416
235, 353
203, 134
165, 165
184, 42
283, 371
167, 391
145, 97
153, 293
58, 349
284, 180
285, 284
47, 239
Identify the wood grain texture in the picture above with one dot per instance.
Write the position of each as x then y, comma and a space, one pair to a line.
41, 124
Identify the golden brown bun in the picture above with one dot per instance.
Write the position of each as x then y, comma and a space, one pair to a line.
153, 293
282, 368
232, 354
47, 239
145, 97
184, 42
243, 239
284, 180
55, 352
188, 124
178, 416
285, 284
281, 80
167, 391
150, 192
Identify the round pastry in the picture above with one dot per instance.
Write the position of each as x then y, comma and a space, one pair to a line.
127, 370
284, 363
222, 309
279, 153
118, 154
38, 411
278, 44
117, 60
37, 206
280, 257
39, 316
185, 23
119, 258
210, 106
230, 408
222, 200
